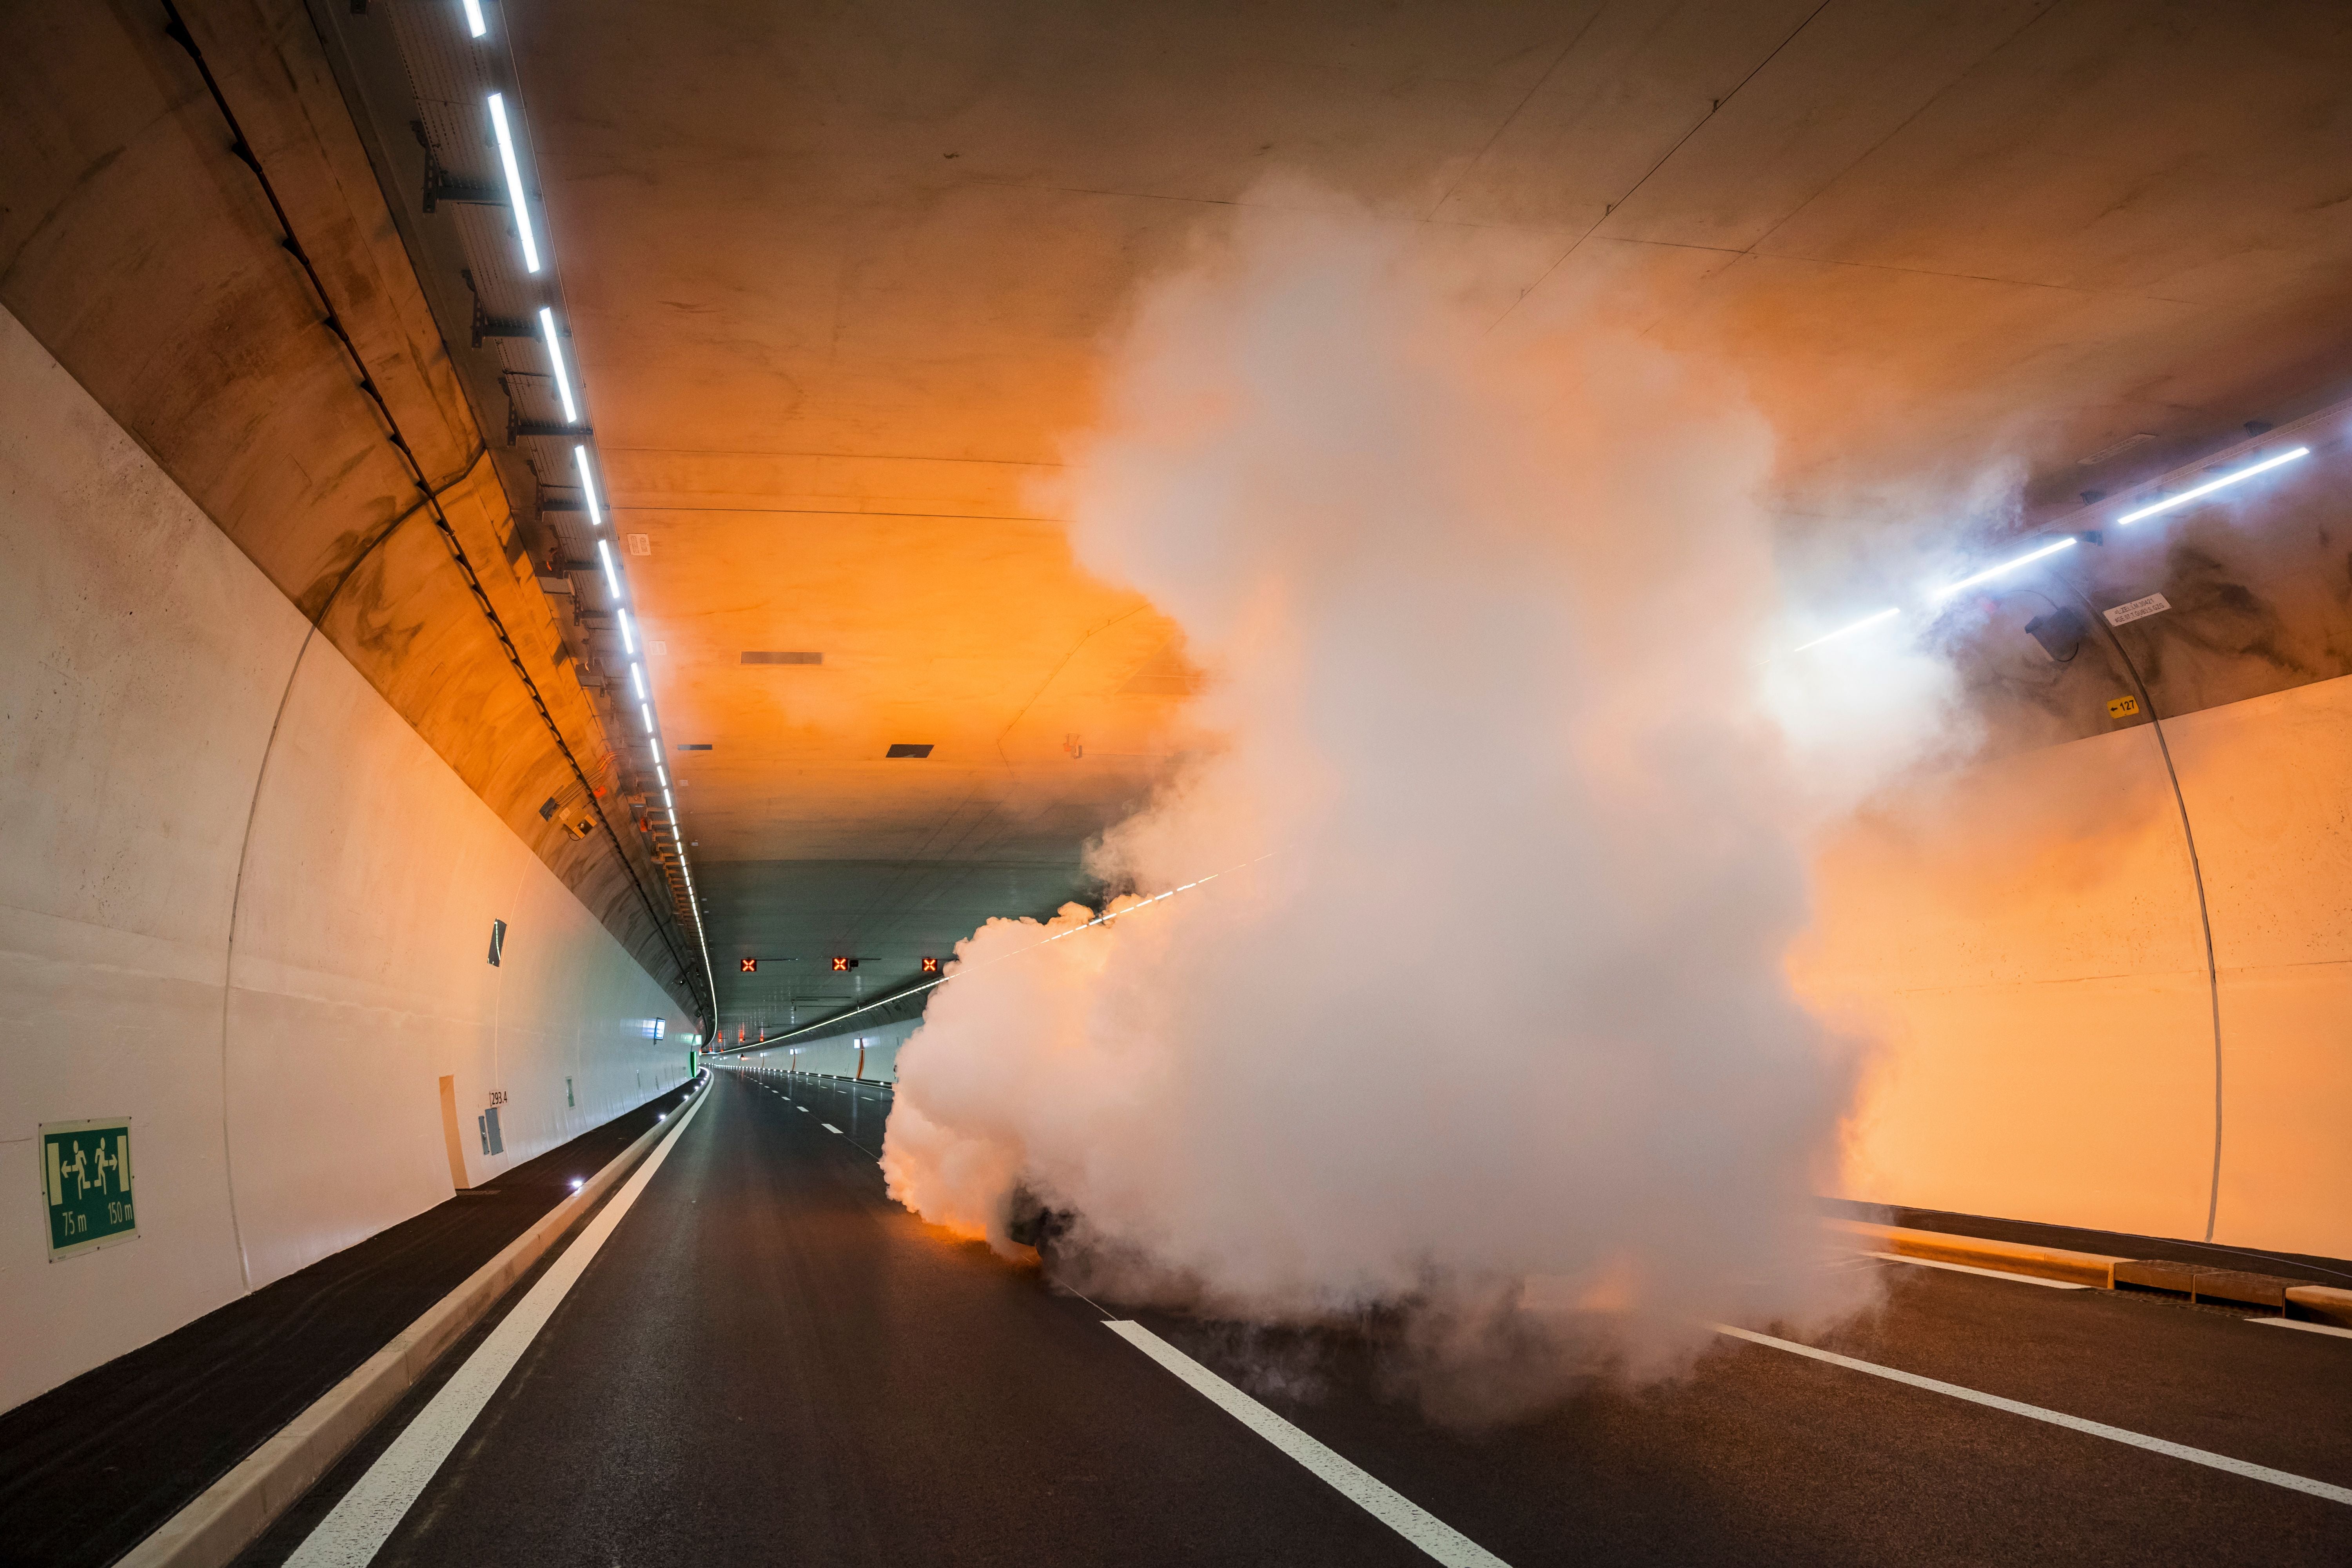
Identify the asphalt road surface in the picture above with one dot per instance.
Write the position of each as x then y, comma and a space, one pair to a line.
770, 1361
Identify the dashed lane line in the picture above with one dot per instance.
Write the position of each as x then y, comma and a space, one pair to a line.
2306, 1328
2056, 1417
1438, 1539
1988, 1273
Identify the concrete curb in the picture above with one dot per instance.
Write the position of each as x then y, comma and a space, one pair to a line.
2008, 1257
2324, 1303
230, 1514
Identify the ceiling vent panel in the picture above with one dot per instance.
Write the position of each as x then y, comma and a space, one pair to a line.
904, 750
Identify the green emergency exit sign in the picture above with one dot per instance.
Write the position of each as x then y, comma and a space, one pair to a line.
86, 1176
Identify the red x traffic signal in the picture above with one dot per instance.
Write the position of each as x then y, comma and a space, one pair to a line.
930, 966
751, 967
841, 966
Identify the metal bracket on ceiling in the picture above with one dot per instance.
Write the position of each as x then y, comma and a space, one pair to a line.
441, 186
488, 326
517, 425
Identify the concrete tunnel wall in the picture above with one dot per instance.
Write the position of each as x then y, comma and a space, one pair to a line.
838, 1054
2023, 937
249, 907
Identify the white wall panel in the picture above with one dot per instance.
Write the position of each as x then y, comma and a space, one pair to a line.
838, 1054
265, 950
2021, 937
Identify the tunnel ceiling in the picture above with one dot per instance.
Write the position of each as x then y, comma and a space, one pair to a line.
840, 281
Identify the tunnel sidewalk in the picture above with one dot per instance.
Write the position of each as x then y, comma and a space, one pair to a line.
89, 1468
2306, 1268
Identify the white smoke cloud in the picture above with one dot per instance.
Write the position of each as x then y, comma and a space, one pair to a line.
1512, 814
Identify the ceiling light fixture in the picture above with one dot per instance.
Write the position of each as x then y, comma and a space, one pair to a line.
629, 638
612, 577
555, 357
1990, 572
637, 680
514, 183
587, 485
1871, 620
646, 710
2224, 482
473, 23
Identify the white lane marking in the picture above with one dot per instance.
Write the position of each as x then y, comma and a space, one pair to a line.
801, 1108
352, 1535
2306, 1328
829, 1127
2055, 1418
1424, 1530
1988, 1273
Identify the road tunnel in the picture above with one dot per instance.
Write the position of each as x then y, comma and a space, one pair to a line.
1503, 783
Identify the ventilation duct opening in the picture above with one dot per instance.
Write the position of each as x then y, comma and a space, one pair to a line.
903, 749
768, 657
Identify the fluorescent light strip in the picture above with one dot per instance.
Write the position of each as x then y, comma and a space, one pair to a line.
1987, 575
663, 776
1842, 631
2207, 489
646, 709
514, 183
637, 678
629, 638
555, 358
612, 577
473, 23
587, 485
2168, 504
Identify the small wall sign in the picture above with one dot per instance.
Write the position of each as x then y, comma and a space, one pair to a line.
2138, 610
85, 1177
2124, 707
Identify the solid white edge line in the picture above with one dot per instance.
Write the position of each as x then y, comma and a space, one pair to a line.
2056, 1417
1432, 1535
2306, 1328
366, 1516
1988, 1273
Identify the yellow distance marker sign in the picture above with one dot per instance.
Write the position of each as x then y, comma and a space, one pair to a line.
2124, 707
